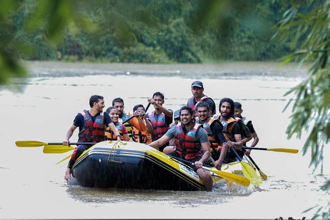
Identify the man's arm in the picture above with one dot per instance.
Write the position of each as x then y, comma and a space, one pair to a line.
69, 134
160, 142
161, 108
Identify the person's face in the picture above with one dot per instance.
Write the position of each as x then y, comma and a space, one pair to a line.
120, 107
114, 115
140, 111
238, 112
185, 117
99, 105
176, 121
225, 109
202, 113
197, 92
158, 100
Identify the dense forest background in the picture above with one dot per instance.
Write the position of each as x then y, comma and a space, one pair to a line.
150, 31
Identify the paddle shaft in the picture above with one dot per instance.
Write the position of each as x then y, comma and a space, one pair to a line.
78, 143
135, 115
285, 150
254, 163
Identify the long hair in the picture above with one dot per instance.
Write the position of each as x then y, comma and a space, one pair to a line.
232, 106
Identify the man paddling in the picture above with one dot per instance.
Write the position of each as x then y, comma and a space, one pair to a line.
231, 129
197, 90
191, 141
161, 118
92, 124
213, 129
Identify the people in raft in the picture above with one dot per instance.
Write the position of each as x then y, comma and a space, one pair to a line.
91, 125
238, 115
160, 118
114, 116
197, 90
192, 144
213, 129
142, 128
123, 116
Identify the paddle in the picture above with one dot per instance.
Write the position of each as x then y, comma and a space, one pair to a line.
40, 144
248, 171
263, 176
228, 176
57, 149
285, 150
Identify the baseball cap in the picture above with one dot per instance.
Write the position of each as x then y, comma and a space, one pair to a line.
177, 114
197, 84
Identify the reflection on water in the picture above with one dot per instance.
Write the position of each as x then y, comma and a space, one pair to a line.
31, 183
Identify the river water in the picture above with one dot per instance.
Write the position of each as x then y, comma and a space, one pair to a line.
45, 104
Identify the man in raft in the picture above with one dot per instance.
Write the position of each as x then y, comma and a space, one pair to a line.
213, 129
123, 116
197, 90
161, 118
191, 141
231, 129
92, 126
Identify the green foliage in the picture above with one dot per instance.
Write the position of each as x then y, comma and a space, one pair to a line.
310, 20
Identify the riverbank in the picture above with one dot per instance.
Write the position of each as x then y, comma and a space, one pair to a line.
204, 70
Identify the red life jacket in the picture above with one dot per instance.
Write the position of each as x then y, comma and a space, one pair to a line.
92, 131
187, 146
228, 128
110, 135
191, 104
159, 125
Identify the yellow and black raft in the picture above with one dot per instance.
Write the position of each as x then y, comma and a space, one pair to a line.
134, 165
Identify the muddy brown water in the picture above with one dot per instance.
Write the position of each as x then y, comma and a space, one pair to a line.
32, 186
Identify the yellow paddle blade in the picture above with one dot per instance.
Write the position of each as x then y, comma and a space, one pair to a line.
285, 150
231, 176
251, 174
263, 176
57, 149
64, 159
30, 143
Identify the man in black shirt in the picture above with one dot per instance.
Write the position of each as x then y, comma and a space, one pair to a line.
213, 129
248, 123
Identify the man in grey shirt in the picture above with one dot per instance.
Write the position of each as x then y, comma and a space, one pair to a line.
191, 141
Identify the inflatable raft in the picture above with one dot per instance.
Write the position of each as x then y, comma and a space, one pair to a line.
138, 166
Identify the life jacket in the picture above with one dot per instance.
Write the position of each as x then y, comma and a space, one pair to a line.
228, 128
127, 124
159, 125
191, 104
142, 135
110, 135
246, 121
187, 146
207, 127
92, 131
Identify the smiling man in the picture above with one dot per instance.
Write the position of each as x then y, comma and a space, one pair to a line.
197, 89
191, 141
213, 129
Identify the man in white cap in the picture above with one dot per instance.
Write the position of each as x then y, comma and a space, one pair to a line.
197, 90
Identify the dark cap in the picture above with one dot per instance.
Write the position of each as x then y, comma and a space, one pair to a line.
177, 114
197, 84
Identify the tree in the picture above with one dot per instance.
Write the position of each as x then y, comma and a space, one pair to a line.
311, 109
